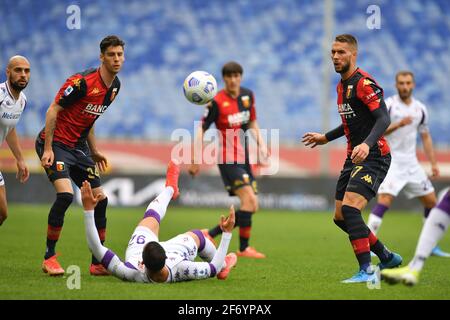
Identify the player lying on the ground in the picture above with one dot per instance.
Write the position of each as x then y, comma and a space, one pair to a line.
433, 230
147, 259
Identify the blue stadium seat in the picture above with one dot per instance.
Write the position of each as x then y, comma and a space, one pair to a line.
279, 44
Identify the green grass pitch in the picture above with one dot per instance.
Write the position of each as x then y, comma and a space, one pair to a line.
307, 257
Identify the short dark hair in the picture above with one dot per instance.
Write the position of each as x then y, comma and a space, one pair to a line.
405, 73
232, 67
111, 41
347, 38
154, 256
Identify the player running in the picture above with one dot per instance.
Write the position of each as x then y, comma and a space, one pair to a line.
233, 112
148, 260
433, 230
67, 147
408, 117
12, 104
364, 120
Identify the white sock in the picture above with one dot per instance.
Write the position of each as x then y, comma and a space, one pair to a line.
374, 223
208, 252
160, 203
434, 228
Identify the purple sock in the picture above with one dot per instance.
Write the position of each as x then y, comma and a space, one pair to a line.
379, 210
201, 237
444, 204
152, 213
426, 212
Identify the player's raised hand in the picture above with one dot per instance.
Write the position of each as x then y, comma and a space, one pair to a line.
360, 153
87, 196
100, 160
194, 169
227, 224
47, 158
22, 171
314, 139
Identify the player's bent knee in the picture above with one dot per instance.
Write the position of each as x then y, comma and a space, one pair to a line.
354, 200
65, 198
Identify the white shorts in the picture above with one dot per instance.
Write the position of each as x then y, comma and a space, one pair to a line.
2, 180
409, 177
140, 237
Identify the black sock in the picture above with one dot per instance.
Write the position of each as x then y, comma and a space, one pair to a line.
341, 225
56, 221
245, 226
100, 223
214, 232
358, 234
377, 247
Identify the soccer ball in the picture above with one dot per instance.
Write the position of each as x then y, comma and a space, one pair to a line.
200, 87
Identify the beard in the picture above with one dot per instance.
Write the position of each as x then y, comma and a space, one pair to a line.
18, 87
405, 94
344, 68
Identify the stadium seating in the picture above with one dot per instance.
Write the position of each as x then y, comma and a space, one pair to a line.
280, 44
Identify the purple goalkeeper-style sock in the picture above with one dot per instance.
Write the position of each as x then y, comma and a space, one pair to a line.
379, 210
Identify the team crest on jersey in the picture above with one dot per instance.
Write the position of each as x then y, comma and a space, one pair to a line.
77, 82
367, 82
113, 94
245, 101
68, 91
60, 166
238, 183
349, 91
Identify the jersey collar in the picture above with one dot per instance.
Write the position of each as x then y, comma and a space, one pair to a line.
9, 92
351, 76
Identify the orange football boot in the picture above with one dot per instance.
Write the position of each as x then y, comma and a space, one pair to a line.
98, 270
52, 266
173, 172
251, 252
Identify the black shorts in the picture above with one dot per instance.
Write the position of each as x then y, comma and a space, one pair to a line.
364, 178
236, 176
73, 163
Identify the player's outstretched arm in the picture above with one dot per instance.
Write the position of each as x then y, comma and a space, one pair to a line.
313, 139
108, 258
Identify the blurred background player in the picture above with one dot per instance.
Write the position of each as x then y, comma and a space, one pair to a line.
364, 120
67, 147
233, 112
408, 117
148, 260
433, 230
12, 104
